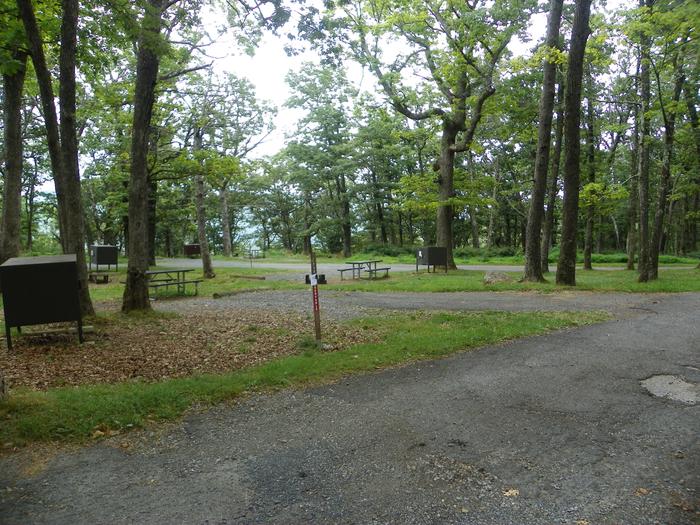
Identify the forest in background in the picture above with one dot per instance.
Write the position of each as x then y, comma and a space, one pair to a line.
118, 103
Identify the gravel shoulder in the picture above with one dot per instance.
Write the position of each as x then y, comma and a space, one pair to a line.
548, 429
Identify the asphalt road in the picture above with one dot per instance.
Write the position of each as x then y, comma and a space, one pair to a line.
548, 429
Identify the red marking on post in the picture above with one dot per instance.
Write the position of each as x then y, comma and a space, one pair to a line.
315, 290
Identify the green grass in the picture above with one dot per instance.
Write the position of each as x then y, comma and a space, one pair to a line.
468, 256
226, 280
687, 280
73, 414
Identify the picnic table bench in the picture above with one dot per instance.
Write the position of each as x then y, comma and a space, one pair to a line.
158, 279
357, 267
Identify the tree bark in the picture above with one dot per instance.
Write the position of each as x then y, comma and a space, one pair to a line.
669, 116
43, 77
445, 211
147, 63
199, 192
74, 237
590, 164
533, 259
566, 267
548, 228
13, 87
633, 196
152, 210
644, 154
225, 220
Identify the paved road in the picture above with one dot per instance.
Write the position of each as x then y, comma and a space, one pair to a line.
549, 429
331, 268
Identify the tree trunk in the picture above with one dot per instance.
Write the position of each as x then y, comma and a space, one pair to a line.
225, 220
669, 116
43, 77
445, 211
152, 209
345, 226
30, 204
590, 164
644, 154
566, 267
548, 228
207, 269
474, 224
13, 87
533, 256
74, 237
147, 63
494, 205
631, 246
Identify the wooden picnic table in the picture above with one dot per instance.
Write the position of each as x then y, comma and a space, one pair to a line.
173, 277
357, 267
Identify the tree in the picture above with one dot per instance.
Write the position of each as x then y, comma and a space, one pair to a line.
533, 261
149, 48
63, 141
456, 46
13, 64
566, 268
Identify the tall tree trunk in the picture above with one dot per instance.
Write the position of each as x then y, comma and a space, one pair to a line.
63, 141
566, 267
590, 164
225, 220
43, 77
74, 237
13, 87
644, 153
669, 116
345, 225
152, 210
553, 180
690, 94
494, 205
147, 63
207, 269
533, 259
474, 224
445, 211
633, 205
30, 205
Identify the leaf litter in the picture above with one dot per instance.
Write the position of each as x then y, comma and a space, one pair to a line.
157, 347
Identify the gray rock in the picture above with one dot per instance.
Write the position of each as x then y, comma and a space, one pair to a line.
496, 277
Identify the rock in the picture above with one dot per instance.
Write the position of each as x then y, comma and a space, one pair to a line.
496, 277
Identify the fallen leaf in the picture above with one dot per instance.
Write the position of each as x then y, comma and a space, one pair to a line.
641, 491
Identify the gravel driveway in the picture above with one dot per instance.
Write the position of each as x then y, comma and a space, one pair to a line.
543, 430
344, 305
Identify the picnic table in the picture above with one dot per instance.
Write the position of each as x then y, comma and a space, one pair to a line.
357, 267
174, 277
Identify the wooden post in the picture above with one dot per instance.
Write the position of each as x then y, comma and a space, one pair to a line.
314, 289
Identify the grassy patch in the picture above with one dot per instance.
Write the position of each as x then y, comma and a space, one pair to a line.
77, 413
687, 280
226, 280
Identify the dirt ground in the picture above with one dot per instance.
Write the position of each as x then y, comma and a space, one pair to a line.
165, 345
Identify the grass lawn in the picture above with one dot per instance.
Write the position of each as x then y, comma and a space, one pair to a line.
80, 413
686, 280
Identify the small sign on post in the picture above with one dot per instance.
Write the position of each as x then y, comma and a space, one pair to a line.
313, 280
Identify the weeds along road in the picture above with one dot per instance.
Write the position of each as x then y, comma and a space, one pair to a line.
548, 429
